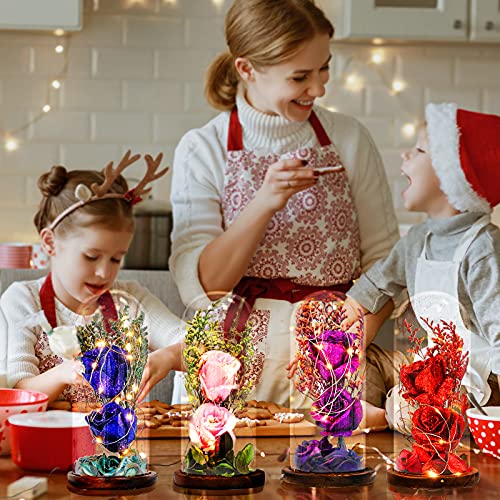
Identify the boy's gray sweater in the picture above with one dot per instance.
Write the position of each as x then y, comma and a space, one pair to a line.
478, 281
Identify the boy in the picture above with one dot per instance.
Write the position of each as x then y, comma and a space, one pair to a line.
450, 264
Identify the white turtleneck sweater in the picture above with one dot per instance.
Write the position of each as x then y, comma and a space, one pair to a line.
198, 184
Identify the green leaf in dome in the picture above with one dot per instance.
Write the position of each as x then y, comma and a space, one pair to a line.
223, 468
198, 455
225, 444
244, 458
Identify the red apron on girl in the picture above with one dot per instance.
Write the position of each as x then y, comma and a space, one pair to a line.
47, 359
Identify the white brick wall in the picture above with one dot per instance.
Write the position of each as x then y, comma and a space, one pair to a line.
135, 80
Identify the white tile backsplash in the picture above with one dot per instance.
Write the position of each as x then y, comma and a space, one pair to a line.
141, 31
477, 72
154, 96
123, 63
122, 127
135, 79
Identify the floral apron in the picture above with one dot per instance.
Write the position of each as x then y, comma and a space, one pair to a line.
312, 243
46, 357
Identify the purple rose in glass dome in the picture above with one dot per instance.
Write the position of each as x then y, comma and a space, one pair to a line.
337, 412
322, 457
333, 354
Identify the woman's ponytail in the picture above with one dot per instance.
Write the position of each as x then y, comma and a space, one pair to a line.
221, 84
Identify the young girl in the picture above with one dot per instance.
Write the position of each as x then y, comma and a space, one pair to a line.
276, 198
86, 225
450, 264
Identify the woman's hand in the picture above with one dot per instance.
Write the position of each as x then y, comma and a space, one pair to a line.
225, 260
283, 179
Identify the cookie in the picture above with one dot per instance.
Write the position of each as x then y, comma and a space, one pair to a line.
289, 418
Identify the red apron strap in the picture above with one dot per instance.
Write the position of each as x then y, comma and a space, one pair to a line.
235, 133
48, 303
108, 308
251, 289
320, 132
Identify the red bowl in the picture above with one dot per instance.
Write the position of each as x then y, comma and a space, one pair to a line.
486, 429
44, 441
12, 402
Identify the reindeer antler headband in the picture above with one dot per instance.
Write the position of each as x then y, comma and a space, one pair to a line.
98, 192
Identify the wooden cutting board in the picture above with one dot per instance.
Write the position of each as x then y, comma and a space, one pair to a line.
273, 428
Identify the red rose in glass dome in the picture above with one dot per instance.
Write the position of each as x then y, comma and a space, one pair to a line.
437, 429
409, 461
426, 381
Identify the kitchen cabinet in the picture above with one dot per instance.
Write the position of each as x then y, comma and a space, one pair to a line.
485, 20
433, 20
41, 14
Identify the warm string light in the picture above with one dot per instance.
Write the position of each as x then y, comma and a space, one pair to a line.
218, 3
388, 461
409, 130
398, 86
377, 57
11, 143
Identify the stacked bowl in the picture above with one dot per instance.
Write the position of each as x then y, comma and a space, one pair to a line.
14, 402
15, 255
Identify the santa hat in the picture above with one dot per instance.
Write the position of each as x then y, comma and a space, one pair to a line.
465, 153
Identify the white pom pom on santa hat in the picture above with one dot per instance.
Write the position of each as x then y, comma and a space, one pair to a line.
465, 153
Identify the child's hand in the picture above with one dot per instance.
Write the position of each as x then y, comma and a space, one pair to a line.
292, 367
158, 366
70, 372
353, 311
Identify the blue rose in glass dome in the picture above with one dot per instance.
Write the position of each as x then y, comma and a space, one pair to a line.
106, 370
114, 347
113, 426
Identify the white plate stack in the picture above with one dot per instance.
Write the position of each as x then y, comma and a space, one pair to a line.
15, 255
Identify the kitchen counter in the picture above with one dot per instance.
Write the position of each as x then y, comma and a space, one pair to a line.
165, 460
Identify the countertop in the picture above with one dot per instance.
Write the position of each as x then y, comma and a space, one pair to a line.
165, 458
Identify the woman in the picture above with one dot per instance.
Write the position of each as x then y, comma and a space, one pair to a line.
276, 198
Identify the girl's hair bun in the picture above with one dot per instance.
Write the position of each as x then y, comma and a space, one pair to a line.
53, 182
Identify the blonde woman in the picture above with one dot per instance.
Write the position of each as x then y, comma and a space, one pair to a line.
276, 197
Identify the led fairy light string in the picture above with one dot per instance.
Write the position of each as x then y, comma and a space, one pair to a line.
11, 140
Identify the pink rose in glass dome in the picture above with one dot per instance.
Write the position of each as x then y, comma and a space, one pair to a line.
218, 373
208, 423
